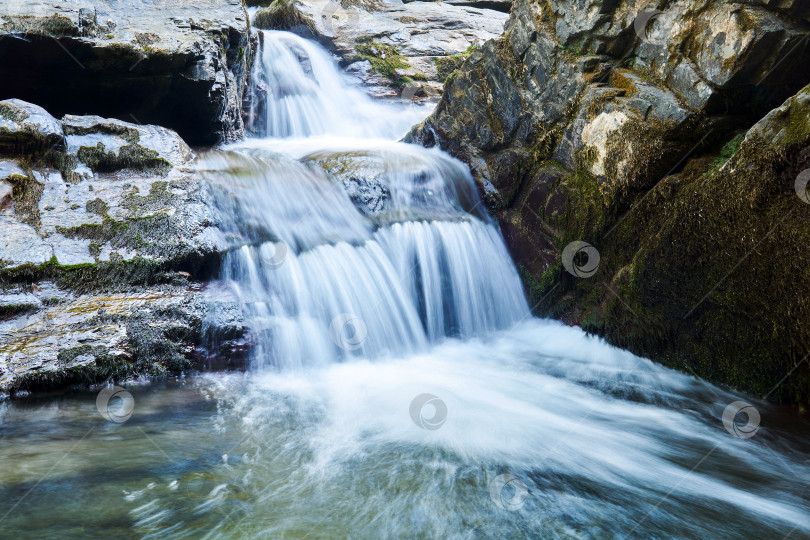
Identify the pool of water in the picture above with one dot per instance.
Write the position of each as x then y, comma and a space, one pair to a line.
538, 431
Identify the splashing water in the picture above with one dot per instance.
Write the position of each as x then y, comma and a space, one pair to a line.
399, 387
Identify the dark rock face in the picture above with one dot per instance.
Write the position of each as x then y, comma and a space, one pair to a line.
177, 64
104, 226
588, 122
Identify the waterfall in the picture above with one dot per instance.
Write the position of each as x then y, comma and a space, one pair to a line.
350, 244
298, 91
400, 389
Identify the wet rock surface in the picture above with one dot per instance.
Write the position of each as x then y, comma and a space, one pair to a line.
362, 176
178, 64
105, 226
114, 191
604, 122
51, 338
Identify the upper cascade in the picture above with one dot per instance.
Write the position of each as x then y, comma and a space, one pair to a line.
297, 90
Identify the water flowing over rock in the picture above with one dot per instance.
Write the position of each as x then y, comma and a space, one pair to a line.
570, 121
178, 64
328, 270
286, 99
397, 384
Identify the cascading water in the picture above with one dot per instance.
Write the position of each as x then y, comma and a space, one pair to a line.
322, 280
400, 389
296, 91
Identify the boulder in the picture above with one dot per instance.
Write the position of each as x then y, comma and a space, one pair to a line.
620, 124
50, 338
27, 128
101, 234
115, 192
177, 64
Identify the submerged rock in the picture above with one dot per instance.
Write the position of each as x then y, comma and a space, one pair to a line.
579, 124
362, 175
177, 64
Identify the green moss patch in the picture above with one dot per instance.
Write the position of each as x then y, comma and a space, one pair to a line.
131, 156
26, 194
384, 59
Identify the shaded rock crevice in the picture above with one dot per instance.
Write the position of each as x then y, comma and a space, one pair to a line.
183, 68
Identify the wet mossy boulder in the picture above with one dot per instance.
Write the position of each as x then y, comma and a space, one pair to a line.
708, 271
106, 237
393, 47
584, 122
113, 191
280, 15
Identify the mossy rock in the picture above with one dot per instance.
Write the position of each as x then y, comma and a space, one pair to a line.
280, 15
